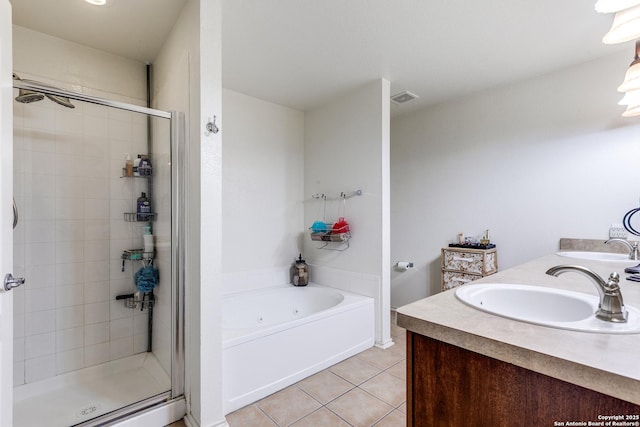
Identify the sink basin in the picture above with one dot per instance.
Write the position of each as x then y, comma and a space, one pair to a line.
552, 307
597, 256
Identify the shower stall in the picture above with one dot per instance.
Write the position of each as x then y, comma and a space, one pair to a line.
99, 321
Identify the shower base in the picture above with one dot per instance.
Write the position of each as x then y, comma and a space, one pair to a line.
79, 396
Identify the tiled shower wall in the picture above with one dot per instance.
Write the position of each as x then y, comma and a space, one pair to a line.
70, 237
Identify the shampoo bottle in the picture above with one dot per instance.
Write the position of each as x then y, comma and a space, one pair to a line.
143, 208
148, 243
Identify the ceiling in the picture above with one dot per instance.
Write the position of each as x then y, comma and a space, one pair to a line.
303, 53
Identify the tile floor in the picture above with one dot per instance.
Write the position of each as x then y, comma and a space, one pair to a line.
365, 390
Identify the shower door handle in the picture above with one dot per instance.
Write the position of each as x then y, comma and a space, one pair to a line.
15, 213
11, 282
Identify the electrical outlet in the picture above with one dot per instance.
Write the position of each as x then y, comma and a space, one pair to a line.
617, 231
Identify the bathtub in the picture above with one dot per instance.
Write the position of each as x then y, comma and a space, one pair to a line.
276, 337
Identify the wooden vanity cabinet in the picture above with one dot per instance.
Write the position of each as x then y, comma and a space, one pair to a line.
451, 386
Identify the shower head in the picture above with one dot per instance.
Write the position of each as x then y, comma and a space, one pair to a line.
61, 100
27, 96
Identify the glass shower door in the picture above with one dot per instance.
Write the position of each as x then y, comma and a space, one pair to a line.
94, 323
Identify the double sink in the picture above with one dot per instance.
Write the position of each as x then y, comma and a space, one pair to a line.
551, 307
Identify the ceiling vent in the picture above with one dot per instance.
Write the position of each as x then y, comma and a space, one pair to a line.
402, 97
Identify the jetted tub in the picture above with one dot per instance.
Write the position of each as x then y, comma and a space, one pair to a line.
273, 338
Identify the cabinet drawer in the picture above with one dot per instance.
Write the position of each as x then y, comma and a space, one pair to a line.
470, 261
452, 279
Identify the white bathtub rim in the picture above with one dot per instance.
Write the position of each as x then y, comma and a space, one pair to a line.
234, 337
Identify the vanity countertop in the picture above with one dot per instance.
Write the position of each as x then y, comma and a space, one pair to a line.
609, 364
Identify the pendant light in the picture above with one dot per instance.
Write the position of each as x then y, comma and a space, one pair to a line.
613, 6
632, 76
626, 26
631, 86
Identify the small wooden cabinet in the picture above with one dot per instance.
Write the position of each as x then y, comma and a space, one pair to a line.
463, 265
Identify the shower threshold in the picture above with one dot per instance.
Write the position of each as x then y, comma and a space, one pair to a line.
79, 396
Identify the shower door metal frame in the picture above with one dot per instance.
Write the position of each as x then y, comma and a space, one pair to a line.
178, 217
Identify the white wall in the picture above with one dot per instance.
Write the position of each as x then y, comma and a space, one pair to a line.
346, 149
262, 195
532, 162
188, 78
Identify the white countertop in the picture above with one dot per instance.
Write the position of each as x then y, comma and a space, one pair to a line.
606, 363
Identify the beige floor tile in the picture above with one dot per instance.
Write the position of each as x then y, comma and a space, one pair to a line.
325, 386
380, 358
288, 406
387, 388
355, 370
399, 370
359, 408
394, 419
322, 418
402, 408
249, 416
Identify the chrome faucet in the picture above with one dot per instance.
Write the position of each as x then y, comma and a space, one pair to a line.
633, 248
611, 307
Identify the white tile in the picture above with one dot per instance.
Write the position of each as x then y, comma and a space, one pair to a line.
140, 323
68, 339
121, 188
70, 360
95, 188
121, 328
39, 253
69, 274
38, 185
40, 299
34, 140
95, 125
68, 122
67, 296
69, 317
119, 130
18, 349
119, 311
140, 343
96, 271
68, 208
97, 354
69, 230
96, 230
40, 276
18, 324
39, 345
69, 165
96, 313
96, 250
39, 322
121, 347
96, 146
18, 373
69, 144
40, 117
40, 368
96, 333
96, 292
97, 167
120, 229
69, 187
69, 252
43, 163
39, 231
121, 286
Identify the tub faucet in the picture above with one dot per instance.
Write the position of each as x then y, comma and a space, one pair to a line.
633, 248
611, 307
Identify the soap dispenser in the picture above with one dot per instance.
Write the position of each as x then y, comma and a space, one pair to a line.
147, 238
300, 272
